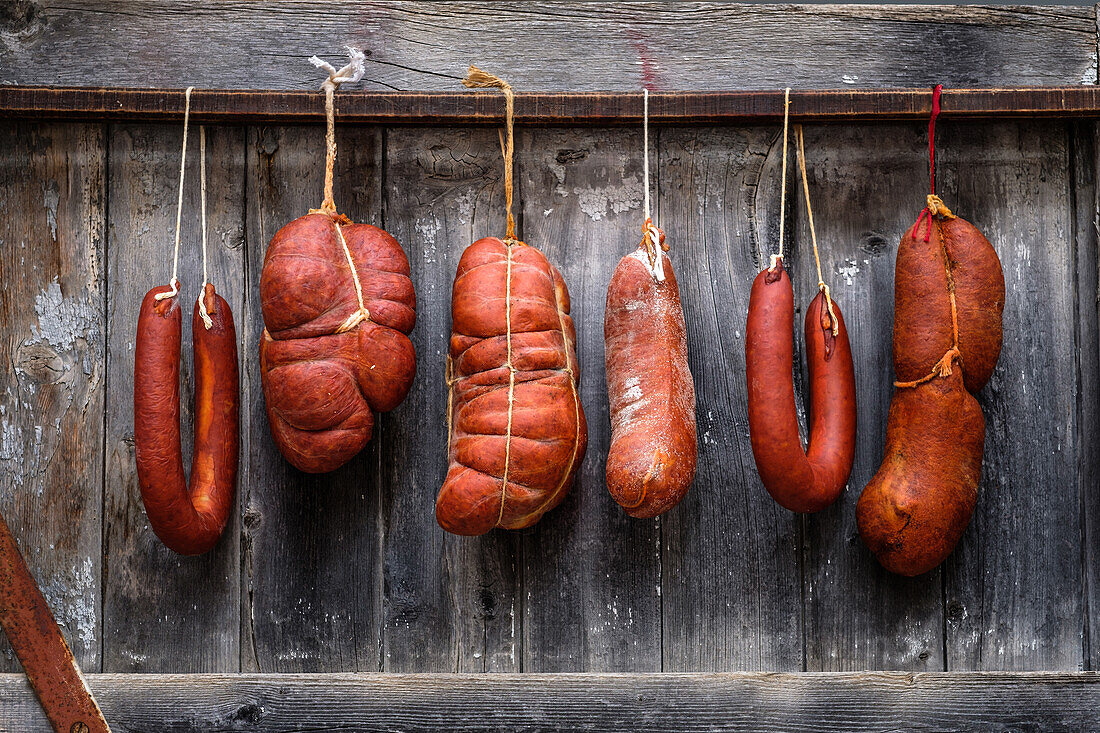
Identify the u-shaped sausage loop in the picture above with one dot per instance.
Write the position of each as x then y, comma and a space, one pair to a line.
188, 517
800, 480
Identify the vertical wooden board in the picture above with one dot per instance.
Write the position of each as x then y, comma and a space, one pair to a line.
450, 601
1086, 166
867, 184
310, 543
730, 577
52, 187
163, 612
591, 573
1013, 590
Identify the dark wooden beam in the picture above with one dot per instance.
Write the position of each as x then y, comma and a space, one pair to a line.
544, 108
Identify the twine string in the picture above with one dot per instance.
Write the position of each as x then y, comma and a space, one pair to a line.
783, 181
203, 313
653, 238
352, 72
479, 79
174, 283
813, 233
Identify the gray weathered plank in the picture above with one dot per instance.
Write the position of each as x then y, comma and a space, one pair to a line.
162, 611
731, 577
554, 45
311, 559
1086, 167
451, 602
867, 185
863, 702
52, 188
592, 574
1014, 585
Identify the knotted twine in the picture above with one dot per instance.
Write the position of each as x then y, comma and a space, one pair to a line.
653, 238
813, 235
174, 283
352, 72
478, 79
935, 207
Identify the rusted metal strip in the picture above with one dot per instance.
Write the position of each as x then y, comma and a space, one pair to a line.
544, 108
40, 648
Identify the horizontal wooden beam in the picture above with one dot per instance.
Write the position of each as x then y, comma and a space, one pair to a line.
544, 108
753, 701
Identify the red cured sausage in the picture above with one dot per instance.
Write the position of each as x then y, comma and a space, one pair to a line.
187, 517
798, 480
651, 462
325, 364
517, 429
917, 506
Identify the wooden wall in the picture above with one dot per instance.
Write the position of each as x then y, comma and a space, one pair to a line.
348, 571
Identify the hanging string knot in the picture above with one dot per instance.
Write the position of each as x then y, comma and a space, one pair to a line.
351, 72
653, 240
175, 285
834, 322
478, 79
936, 207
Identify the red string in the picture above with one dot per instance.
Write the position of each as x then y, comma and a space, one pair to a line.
932, 136
931, 161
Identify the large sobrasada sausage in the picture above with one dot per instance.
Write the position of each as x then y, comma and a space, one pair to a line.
949, 294
517, 429
338, 304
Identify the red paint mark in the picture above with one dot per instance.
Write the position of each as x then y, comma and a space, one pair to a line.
649, 65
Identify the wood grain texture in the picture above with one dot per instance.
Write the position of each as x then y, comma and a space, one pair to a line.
555, 45
311, 564
592, 574
867, 185
259, 106
733, 703
161, 611
730, 586
451, 603
52, 351
1013, 587
1086, 168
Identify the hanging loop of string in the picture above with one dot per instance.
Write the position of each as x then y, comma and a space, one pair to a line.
352, 72
653, 238
479, 79
174, 283
934, 207
203, 312
813, 233
783, 182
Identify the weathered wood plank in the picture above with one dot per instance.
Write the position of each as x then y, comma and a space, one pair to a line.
52, 332
866, 184
861, 702
311, 568
555, 45
1086, 167
1014, 585
258, 106
731, 578
451, 602
592, 574
162, 611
